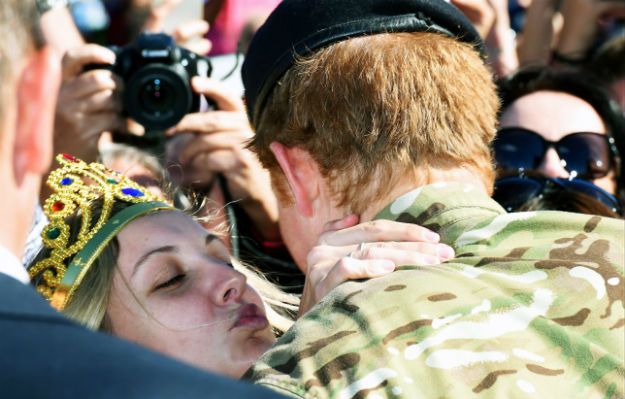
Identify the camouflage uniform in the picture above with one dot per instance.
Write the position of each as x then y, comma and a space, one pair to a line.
532, 307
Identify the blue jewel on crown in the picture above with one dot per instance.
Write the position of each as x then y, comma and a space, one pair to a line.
66, 181
133, 192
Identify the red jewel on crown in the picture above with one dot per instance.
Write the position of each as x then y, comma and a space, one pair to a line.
70, 158
58, 206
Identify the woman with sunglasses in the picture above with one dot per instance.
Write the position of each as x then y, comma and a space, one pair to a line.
561, 125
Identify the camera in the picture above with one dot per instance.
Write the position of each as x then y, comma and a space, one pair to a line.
157, 75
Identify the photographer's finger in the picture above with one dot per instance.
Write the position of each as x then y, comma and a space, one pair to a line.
210, 122
218, 92
158, 13
189, 30
199, 46
91, 82
102, 101
220, 161
163, 7
102, 122
225, 141
76, 59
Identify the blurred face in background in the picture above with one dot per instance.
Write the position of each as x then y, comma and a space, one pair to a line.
555, 115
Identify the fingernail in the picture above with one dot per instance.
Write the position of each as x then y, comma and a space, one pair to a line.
109, 56
431, 260
383, 267
432, 236
445, 252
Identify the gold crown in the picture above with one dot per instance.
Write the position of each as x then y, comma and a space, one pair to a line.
76, 185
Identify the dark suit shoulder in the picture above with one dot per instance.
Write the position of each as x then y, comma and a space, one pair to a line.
45, 355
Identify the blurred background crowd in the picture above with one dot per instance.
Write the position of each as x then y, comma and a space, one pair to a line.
559, 65
153, 90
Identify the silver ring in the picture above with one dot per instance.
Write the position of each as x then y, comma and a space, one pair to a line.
358, 248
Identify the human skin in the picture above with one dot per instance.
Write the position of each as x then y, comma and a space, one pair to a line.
185, 300
555, 115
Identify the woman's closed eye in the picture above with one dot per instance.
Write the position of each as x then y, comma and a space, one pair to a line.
172, 282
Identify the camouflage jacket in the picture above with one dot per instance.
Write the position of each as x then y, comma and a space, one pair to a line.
532, 307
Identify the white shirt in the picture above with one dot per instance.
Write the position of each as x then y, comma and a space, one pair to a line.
34, 243
12, 267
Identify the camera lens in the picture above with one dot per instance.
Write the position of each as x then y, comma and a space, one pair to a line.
157, 96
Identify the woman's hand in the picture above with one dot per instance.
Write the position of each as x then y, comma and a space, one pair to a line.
349, 251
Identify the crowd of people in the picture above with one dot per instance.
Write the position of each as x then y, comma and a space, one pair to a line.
296, 198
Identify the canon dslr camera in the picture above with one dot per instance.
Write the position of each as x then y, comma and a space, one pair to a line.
157, 75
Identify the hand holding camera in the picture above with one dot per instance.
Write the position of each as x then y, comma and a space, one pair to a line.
89, 103
157, 75
208, 143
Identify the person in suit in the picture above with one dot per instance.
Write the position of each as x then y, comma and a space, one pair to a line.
43, 353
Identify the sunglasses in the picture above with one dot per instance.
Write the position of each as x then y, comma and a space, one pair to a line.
513, 192
584, 155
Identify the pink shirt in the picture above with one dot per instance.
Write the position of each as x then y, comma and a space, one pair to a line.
225, 32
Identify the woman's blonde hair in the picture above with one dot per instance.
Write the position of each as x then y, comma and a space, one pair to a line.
90, 300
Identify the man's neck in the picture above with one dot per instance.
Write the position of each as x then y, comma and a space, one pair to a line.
435, 176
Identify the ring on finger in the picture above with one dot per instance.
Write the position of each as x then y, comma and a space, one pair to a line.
358, 249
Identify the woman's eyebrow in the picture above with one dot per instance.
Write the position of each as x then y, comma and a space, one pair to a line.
145, 256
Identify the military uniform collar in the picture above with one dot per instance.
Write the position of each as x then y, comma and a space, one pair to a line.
440, 206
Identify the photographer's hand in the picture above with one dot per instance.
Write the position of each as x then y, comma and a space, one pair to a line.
88, 103
581, 24
218, 146
191, 36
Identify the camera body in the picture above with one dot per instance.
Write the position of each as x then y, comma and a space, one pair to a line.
157, 75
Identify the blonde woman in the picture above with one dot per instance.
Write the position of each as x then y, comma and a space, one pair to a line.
121, 261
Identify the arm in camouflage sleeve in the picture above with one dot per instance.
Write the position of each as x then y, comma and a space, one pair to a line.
539, 311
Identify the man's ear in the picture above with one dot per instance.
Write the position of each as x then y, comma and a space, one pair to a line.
37, 91
302, 174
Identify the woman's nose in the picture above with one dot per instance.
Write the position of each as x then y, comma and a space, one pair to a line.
552, 165
229, 286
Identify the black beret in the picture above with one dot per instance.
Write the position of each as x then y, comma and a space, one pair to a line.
298, 27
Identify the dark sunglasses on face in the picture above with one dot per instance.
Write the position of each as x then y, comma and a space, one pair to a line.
585, 155
513, 192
